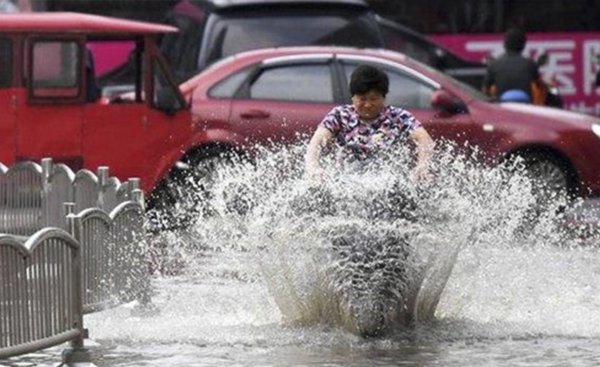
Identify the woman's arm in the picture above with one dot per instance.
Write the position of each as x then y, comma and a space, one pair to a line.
424, 144
319, 139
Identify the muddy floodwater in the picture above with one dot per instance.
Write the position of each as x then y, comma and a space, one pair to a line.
488, 275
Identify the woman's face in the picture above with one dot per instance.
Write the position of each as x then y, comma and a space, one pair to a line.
368, 105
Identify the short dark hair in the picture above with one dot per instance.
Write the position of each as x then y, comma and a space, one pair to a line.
366, 78
515, 39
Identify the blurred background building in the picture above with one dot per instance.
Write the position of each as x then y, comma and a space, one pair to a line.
491, 16
565, 32
427, 16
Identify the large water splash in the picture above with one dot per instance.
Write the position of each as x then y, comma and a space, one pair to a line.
368, 250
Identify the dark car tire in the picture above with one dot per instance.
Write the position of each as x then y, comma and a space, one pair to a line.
183, 196
551, 177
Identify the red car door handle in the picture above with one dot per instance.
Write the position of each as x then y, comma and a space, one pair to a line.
255, 114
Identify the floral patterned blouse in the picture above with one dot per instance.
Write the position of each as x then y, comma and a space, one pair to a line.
362, 140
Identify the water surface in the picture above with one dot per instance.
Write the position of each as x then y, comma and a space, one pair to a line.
505, 282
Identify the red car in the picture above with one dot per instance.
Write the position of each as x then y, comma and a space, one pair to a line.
52, 105
282, 93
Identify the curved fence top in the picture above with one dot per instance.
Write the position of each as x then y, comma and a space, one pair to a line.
114, 182
125, 207
24, 166
43, 234
85, 174
27, 245
93, 213
15, 242
61, 168
108, 218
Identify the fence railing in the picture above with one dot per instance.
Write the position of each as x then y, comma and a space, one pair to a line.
21, 198
39, 292
95, 260
113, 252
32, 195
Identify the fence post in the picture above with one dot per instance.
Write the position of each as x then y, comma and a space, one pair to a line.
103, 175
137, 195
68, 208
133, 183
145, 306
47, 168
77, 353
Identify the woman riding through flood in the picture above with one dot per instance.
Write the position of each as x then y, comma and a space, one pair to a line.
367, 126
381, 291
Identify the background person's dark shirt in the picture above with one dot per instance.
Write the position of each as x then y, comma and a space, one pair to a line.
511, 71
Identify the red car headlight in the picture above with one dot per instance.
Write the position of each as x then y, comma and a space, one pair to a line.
596, 129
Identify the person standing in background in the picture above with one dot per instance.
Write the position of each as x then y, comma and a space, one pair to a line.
513, 73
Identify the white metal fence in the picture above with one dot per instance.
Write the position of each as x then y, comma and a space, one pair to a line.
32, 196
39, 292
114, 255
74, 244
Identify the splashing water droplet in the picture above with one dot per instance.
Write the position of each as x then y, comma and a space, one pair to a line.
368, 248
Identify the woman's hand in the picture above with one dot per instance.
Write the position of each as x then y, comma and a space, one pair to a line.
313, 168
424, 145
421, 173
314, 172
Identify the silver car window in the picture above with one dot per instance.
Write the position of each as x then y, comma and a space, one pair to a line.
298, 83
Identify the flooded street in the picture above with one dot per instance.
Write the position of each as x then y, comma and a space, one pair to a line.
528, 308
497, 283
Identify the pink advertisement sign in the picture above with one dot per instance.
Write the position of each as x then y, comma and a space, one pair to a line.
109, 55
573, 61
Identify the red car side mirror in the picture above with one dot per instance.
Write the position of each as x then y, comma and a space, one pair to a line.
446, 103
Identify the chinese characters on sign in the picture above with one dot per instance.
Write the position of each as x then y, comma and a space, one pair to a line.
572, 63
